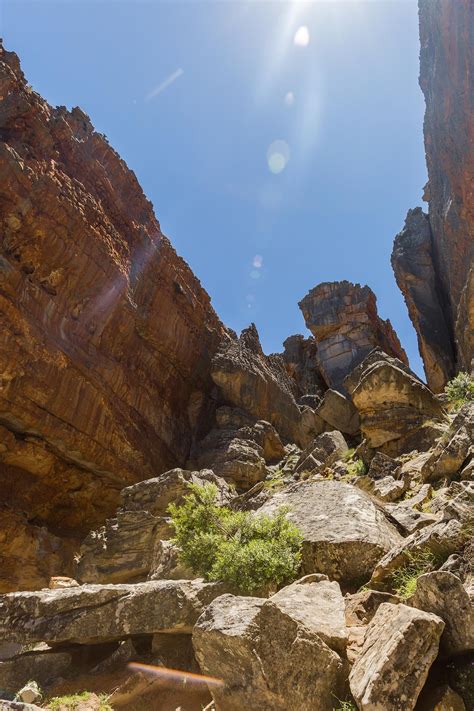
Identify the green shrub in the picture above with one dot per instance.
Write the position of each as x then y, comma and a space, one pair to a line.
356, 468
345, 706
460, 390
251, 552
405, 578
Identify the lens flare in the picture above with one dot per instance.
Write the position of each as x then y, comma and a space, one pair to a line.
278, 155
301, 38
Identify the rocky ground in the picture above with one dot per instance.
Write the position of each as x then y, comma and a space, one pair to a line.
120, 387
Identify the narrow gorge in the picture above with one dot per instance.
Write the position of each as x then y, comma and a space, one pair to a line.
122, 392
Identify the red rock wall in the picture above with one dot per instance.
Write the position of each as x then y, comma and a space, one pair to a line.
106, 336
437, 278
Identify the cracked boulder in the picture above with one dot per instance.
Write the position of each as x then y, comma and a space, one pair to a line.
398, 413
400, 645
344, 532
339, 412
443, 594
90, 614
271, 654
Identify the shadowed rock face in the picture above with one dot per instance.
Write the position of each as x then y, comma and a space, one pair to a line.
256, 383
343, 319
441, 254
106, 336
412, 261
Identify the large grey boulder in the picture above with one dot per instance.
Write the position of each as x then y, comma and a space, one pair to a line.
318, 604
269, 656
98, 613
443, 594
344, 532
399, 647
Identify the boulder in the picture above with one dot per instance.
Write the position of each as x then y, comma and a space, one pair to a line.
343, 319
443, 594
399, 647
441, 698
155, 495
398, 413
408, 518
386, 489
316, 603
323, 451
359, 610
269, 657
121, 551
43, 667
339, 412
382, 466
453, 449
233, 457
96, 613
439, 540
17, 706
344, 532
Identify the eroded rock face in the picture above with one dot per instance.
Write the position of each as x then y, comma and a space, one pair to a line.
30, 555
418, 280
433, 263
105, 334
258, 384
399, 647
398, 413
301, 361
344, 321
344, 532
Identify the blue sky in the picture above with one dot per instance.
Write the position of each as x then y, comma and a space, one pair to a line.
195, 94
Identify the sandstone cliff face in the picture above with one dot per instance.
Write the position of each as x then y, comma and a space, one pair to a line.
412, 261
447, 262
343, 319
106, 336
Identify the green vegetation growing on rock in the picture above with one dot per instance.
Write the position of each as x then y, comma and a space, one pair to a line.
405, 578
460, 390
251, 552
71, 702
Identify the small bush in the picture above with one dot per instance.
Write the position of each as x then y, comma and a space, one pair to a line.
405, 578
460, 390
72, 701
251, 552
345, 706
356, 468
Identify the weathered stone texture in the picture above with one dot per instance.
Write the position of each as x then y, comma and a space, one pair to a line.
344, 321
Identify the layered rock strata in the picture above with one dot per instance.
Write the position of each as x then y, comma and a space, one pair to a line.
344, 321
106, 336
433, 258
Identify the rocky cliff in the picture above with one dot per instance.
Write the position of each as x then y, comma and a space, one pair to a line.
106, 336
344, 321
433, 256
